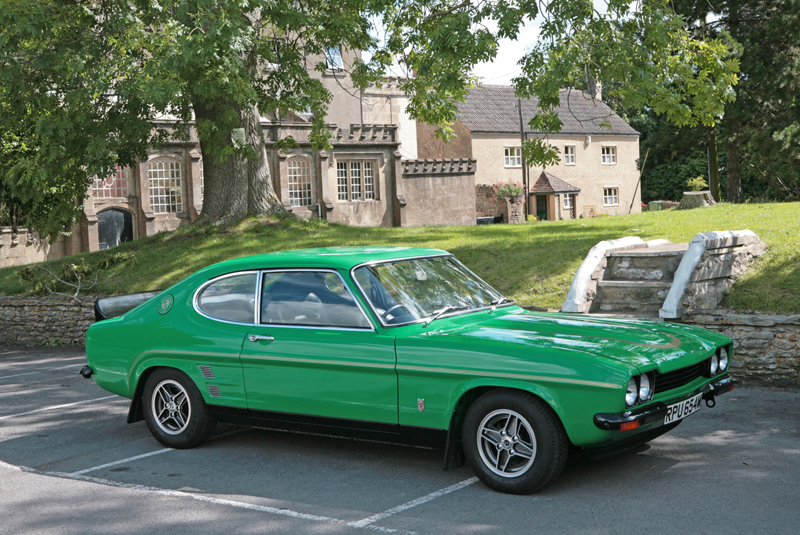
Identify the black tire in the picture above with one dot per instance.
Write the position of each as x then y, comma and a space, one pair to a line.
175, 411
521, 457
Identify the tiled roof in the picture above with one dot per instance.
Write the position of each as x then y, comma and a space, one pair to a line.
493, 108
549, 184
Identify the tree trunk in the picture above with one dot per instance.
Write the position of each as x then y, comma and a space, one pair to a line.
734, 171
713, 166
235, 187
732, 119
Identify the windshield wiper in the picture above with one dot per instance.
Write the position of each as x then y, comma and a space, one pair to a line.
499, 301
437, 313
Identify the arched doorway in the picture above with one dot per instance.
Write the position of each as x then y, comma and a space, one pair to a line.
114, 226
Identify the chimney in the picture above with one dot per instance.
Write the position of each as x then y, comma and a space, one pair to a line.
595, 88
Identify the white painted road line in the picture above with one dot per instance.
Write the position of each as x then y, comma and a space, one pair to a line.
408, 505
145, 455
43, 371
208, 499
129, 459
54, 407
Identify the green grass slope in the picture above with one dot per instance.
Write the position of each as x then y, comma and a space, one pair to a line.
531, 263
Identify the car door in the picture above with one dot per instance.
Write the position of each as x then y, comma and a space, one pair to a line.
315, 352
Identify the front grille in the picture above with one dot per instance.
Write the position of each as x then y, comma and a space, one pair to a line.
678, 378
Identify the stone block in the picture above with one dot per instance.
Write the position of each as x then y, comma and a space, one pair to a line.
751, 343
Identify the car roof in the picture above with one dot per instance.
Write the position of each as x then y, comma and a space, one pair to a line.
324, 257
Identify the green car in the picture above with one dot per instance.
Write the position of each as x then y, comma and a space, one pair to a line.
400, 345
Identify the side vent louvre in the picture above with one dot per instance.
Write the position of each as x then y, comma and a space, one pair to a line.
206, 371
214, 391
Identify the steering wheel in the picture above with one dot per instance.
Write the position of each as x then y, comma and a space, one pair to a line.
388, 312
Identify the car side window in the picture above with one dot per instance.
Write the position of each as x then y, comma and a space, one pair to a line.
309, 298
230, 298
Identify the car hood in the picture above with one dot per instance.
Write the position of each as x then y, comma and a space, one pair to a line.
637, 343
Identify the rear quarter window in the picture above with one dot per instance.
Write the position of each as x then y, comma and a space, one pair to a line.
231, 298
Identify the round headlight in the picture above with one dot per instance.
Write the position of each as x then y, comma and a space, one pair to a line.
723, 359
632, 394
714, 365
644, 388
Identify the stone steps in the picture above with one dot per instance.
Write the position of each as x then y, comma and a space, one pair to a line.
628, 276
631, 295
636, 281
647, 264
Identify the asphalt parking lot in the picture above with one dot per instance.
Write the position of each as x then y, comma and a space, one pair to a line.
70, 464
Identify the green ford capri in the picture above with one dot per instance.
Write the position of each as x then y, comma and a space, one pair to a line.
399, 345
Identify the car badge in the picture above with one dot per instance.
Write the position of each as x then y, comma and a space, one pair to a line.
165, 305
420, 404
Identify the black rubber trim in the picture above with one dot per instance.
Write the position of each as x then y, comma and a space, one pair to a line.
338, 427
654, 411
645, 415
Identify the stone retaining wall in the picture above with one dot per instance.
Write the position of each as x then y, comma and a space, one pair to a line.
766, 346
39, 321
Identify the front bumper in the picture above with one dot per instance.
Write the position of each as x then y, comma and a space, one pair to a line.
653, 412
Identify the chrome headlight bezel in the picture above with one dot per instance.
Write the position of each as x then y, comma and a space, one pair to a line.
632, 393
724, 359
713, 365
645, 388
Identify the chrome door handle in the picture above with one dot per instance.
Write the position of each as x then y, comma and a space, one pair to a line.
257, 337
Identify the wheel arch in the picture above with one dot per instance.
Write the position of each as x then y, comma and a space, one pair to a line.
142, 368
454, 453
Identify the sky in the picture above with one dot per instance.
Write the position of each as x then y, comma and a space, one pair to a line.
504, 67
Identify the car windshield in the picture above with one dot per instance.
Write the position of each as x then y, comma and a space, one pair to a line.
410, 290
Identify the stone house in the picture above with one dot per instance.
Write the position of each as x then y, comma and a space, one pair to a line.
364, 180
596, 173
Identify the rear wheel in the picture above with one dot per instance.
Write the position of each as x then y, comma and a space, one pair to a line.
175, 411
514, 442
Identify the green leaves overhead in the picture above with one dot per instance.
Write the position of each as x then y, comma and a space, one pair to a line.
86, 85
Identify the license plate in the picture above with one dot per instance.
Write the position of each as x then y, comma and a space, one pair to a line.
679, 411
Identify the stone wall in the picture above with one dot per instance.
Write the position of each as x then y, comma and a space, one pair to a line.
23, 247
512, 210
486, 205
766, 346
437, 192
39, 321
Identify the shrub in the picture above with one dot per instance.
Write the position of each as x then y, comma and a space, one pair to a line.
697, 183
507, 189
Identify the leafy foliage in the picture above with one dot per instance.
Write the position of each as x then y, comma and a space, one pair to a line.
86, 85
697, 183
507, 189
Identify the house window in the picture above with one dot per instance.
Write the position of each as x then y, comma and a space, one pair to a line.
165, 186
569, 155
567, 202
333, 54
274, 54
299, 169
610, 196
114, 185
356, 181
609, 155
513, 157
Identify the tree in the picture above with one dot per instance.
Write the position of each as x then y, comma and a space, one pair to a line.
760, 126
85, 78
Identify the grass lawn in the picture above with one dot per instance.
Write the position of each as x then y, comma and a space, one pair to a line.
530, 263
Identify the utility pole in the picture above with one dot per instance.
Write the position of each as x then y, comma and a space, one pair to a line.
524, 165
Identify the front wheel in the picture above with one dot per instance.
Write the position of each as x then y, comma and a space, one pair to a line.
175, 411
514, 442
